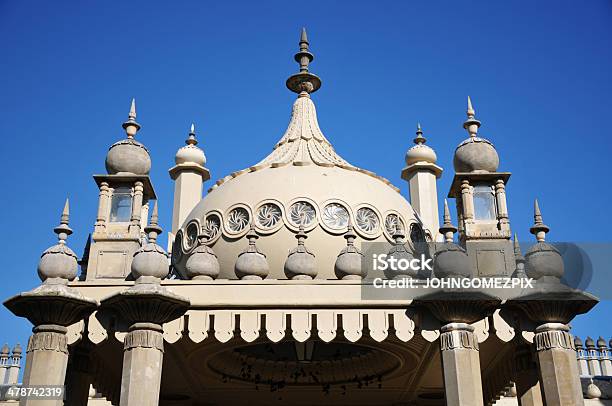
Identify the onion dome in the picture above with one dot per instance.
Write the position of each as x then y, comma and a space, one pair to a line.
542, 259
450, 261
349, 262
592, 391
251, 263
128, 156
300, 263
577, 343
303, 179
397, 253
151, 260
17, 351
519, 271
420, 152
190, 153
475, 154
59, 261
601, 343
590, 343
203, 263
4, 352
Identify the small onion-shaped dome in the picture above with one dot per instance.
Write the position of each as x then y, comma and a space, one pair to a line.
300, 263
190, 154
400, 257
592, 391
476, 155
17, 351
590, 343
577, 342
5, 351
451, 261
543, 260
203, 263
420, 152
251, 263
150, 260
601, 342
128, 157
58, 261
349, 262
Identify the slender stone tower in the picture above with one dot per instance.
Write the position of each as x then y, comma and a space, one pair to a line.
421, 173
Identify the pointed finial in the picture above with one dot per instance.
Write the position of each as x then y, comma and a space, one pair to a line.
471, 124
519, 270
252, 235
447, 229
539, 229
419, 139
398, 235
191, 139
153, 229
301, 235
63, 230
131, 127
350, 233
304, 82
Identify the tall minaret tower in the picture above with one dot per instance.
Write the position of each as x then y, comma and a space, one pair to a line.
421, 173
189, 174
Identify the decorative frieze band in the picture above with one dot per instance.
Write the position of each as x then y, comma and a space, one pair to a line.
455, 339
144, 339
48, 341
546, 340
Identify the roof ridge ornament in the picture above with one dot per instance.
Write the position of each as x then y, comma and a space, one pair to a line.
63, 230
419, 139
448, 229
191, 139
304, 82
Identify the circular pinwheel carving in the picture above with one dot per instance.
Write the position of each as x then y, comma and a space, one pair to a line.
367, 220
191, 238
302, 213
335, 216
212, 226
237, 220
392, 221
268, 216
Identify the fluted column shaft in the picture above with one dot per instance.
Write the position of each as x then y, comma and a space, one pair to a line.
461, 365
46, 360
558, 369
143, 354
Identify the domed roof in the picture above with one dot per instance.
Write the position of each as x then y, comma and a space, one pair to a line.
475, 154
190, 153
128, 156
420, 152
303, 181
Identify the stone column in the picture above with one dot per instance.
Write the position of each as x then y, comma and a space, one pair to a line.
142, 365
604, 360
46, 360
78, 376
558, 369
526, 377
461, 365
4, 357
14, 366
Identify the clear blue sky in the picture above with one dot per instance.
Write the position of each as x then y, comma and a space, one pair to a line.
538, 73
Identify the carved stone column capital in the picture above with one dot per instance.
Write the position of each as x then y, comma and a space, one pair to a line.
553, 335
48, 337
144, 335
458, 335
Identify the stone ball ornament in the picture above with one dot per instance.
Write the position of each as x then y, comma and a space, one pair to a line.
300, 263
476, 155
542, 259
128, 157
203, 263
251, 263
59, 261
151, 260
451, 261
349, 264
190, 153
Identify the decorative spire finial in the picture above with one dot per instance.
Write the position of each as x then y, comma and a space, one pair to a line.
539, 229
447, 229
471, 124
350, 235
63, 230
519, 271
153, 229
191, 139
419, 139
304, 82
131, 127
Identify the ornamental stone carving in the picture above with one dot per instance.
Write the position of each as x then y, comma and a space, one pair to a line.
302, 213
367, 220
458, 336
268, 216
53, 339
144, 338
238, 220
335, 216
